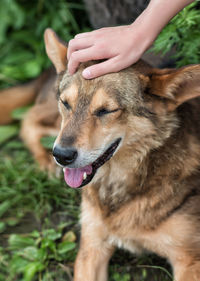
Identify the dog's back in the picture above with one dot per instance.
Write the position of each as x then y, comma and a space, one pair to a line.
41, 120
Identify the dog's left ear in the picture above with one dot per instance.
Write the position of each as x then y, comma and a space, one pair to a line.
174, 86
56, 50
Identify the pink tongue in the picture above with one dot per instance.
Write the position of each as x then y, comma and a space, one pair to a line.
74, 177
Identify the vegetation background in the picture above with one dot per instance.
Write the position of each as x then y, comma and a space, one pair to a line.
39, 229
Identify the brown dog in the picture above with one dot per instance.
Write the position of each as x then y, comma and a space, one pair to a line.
43, 119
133, 138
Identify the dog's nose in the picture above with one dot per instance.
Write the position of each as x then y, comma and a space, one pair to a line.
64, 156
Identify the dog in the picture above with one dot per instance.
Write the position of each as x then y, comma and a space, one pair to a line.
43, 119
131, 141
132, 138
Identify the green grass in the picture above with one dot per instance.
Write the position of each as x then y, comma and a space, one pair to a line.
39, 229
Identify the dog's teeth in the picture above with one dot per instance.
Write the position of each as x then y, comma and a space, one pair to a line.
63, 169
84, 175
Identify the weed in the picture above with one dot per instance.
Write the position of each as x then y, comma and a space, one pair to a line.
183, 33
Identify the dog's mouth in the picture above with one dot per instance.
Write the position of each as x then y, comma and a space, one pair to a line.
78, 177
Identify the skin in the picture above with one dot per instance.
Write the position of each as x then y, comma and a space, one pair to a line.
123, 45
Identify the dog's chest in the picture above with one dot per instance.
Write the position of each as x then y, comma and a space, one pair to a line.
121, 232
114, 186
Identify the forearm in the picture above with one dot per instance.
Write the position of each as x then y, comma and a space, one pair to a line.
155, 17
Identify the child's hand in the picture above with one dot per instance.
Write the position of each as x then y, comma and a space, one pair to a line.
121, 46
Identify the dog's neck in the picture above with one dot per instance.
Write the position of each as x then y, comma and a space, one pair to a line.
128, 176
120, 179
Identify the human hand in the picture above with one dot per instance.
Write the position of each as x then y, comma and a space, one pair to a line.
121, 46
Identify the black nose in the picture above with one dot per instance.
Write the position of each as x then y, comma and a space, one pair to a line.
64, 156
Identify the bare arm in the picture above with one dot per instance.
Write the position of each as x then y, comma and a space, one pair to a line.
122, 45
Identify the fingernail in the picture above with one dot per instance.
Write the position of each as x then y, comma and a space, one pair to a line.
86, 73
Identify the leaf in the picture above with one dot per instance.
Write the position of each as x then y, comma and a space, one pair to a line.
179, 33
32, 68
35, 234
18, 242
69, 236
48, 142
29, 253
7, 132
15, 144
31, 270
2, 227
65, 247
52, 234
4, 207
12, 221
18, 264
48, 244
19, 113
42, 255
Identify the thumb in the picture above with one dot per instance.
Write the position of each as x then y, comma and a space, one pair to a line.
108, 66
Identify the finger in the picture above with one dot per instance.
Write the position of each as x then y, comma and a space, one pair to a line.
108, 66
81, 56
82, 35
77, 44
93, 32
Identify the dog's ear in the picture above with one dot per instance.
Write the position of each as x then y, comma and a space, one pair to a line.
56, 50
174, 86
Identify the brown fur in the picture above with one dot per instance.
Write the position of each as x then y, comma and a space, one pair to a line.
41, 120
146, 197
18, 96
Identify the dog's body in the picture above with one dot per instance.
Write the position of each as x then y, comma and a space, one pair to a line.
42, 119
134, 138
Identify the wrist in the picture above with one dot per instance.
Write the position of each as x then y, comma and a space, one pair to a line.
143, 31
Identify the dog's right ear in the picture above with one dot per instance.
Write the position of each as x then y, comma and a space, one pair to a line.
56, 50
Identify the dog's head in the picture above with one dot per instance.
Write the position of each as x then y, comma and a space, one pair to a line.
129, 111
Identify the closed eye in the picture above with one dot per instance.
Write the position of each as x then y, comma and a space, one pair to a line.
66, 104
103, 111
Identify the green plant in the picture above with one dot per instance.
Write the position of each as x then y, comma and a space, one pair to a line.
121, 277
183, 33
33, 255
24, 188
8, 131
22, 25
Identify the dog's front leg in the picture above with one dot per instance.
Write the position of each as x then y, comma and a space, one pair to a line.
95, 250
92, 263
188, 272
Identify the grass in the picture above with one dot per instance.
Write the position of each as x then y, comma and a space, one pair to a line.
39, 227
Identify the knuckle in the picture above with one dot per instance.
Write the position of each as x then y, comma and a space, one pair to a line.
103, 29
74, 56
71, 43
77, 35
100, 47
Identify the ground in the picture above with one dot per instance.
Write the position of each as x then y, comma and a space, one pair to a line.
39, 229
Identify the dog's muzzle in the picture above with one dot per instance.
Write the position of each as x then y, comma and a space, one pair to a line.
78, 177
64, 156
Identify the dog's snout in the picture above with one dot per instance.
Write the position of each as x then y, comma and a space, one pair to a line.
64, 156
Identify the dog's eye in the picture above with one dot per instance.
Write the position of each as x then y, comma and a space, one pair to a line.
65, 103
103, 111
